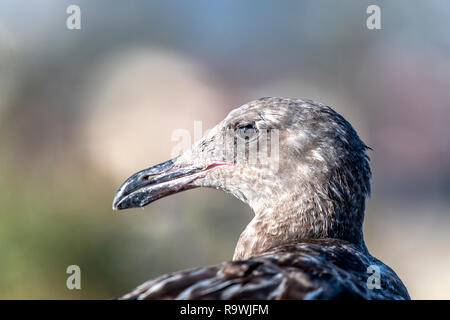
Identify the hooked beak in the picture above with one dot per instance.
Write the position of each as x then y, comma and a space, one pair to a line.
157, 182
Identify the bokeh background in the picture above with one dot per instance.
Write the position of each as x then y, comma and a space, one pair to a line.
81, 110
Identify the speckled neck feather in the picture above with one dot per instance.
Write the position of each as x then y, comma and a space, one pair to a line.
318, 212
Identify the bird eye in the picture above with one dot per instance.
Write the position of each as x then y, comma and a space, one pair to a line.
247, 131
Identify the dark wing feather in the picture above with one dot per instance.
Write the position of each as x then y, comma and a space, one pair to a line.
317, 269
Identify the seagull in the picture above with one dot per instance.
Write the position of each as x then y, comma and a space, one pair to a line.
305, 173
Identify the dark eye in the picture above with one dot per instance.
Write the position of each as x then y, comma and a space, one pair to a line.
247, 131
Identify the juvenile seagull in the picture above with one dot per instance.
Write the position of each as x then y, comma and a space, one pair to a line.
307, 187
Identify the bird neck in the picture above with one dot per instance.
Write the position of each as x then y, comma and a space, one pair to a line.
301, 219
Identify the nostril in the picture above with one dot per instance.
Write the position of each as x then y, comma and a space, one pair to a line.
146, 176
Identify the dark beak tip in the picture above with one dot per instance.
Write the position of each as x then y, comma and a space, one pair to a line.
119, 207
139, 190
118, 202
124, 201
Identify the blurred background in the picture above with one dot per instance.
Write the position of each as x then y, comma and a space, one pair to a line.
81, 110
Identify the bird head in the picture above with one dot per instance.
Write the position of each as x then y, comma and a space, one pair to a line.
286, 157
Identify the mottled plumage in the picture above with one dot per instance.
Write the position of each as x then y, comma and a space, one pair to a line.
307, 186
316, 269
